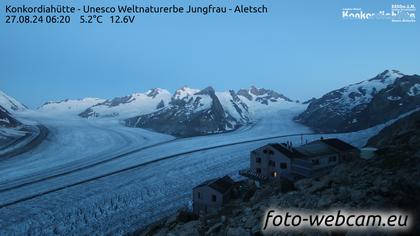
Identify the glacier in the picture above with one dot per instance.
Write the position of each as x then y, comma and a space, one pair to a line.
100, 177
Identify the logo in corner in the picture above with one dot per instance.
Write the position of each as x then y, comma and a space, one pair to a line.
400, 13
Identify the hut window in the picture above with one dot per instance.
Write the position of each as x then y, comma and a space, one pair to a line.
213, 198
332, 159
258, 160
198, 195
283, 165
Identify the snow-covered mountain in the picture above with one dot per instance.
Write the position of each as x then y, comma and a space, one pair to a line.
186, 112
11, 104
129, 106
365, 104
69, 106
234, 106
262, 102
261, 95
192, 112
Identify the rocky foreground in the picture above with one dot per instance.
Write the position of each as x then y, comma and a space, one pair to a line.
388, 181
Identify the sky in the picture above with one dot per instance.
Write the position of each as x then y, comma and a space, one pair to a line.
302, 49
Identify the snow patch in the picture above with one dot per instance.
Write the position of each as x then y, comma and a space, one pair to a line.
393, 98
414, 90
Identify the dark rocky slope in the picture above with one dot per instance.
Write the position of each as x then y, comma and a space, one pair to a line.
6, 119
405, 132
17, 137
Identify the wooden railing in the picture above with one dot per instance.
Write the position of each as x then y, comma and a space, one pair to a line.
252, 175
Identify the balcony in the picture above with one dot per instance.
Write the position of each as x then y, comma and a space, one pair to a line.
252, 175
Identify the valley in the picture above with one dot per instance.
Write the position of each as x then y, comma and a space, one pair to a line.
115, 165
127, 170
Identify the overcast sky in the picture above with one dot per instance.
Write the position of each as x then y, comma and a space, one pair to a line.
301, 49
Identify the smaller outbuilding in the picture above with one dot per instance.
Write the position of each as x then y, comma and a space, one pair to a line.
211, 195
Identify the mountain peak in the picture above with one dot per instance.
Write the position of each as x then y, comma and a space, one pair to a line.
207, 91
259, 91
185, 92
187, 89
390, 74
263, 95
155, 91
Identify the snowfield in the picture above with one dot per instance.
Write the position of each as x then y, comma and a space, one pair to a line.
96, 177
129, 106
69, 106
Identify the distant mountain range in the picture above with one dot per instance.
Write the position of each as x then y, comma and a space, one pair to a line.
129, 106
362, 105
192, 112
186, 112
70, 106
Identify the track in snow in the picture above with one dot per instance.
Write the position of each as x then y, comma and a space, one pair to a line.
84, 167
